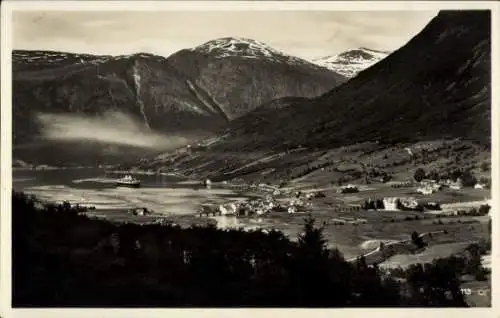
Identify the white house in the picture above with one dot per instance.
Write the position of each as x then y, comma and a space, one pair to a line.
391, 204
425, 190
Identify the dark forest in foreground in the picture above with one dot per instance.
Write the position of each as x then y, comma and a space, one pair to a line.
64, 259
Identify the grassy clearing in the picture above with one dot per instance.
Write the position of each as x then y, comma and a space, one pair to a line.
349, 238
427, 256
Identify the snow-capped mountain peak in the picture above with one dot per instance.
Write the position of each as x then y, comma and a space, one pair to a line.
237, 46
351, 62
247, 49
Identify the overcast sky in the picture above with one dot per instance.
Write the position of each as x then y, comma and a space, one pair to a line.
307, 34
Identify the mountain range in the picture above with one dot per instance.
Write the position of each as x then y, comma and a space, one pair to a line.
433, 91
351, 62
262, 101
213, 80
195, 91
444, 95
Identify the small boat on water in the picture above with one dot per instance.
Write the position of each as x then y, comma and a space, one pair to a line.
128, 181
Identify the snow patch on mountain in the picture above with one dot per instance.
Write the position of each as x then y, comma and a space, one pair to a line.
350, 63
237, 46
47, 58
247, 49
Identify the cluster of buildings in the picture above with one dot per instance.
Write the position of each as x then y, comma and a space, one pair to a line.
454, 185
262, 206
431, 186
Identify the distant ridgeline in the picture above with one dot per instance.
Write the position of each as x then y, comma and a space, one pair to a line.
64, 259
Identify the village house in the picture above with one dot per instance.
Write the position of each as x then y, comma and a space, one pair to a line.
425, 190
229, 209
456, 186
480, 186
391, 204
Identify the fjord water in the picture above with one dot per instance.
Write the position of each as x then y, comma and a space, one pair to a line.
167, 195
170, 197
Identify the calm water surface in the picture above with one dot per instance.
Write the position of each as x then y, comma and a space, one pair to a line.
167, 195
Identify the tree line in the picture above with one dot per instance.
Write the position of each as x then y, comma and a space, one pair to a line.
62, 258
467, 177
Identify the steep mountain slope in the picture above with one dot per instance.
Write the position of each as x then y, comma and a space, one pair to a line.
245, 124
242, 74
436, 86
144, 86
433, 91
351, 62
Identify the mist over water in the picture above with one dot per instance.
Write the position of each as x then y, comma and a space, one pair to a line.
111, 127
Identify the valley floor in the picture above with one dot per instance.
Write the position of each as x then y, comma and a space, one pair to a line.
260, 175
313, 170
